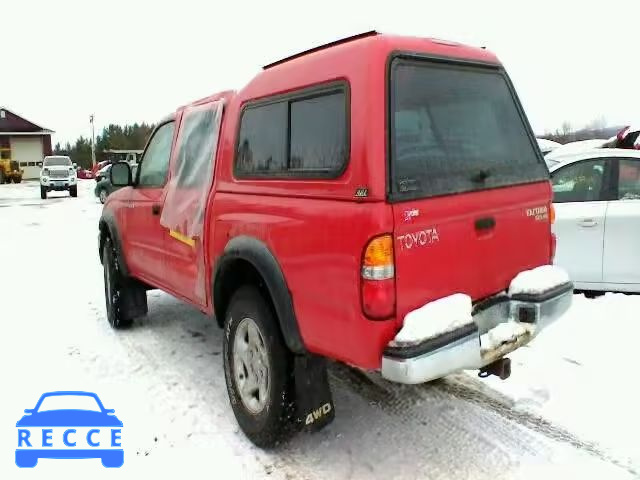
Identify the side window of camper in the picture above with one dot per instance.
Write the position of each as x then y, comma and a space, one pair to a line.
303, 135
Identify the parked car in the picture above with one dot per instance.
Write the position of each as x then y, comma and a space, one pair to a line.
104, 187
102, 173
336, 220
57, 174
597, 204
547, 146
84, 174
575, 147
99, 166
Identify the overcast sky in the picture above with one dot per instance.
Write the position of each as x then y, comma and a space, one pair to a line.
134, 60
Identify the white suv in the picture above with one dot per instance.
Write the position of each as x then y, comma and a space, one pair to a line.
58, 173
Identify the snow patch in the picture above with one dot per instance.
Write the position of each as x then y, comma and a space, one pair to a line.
502, 333
435, 318
538, 280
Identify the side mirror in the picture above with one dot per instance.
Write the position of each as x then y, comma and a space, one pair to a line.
75, 166
109, 411
28, 410
120, 174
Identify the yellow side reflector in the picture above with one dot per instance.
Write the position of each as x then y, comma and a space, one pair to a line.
182, 238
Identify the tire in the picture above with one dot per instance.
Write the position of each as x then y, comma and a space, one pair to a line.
2, 177
591, 294
264, 413
73, 191
17, 180
114, 287
43, 193
102, 195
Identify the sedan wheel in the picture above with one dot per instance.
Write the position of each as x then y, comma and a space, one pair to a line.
103, 196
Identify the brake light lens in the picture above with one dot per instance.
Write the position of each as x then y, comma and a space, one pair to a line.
554, 240
378, 278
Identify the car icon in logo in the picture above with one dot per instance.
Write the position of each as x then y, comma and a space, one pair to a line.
69, 424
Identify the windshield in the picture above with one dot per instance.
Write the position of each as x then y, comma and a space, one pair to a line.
69, 402
57, 162
456, 129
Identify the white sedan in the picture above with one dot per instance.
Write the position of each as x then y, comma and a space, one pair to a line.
596, 195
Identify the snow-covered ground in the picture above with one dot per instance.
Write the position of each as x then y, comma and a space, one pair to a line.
568, 410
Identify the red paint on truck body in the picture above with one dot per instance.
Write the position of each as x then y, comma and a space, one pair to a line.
317, 228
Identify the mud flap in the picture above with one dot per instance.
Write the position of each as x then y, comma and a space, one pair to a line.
314, 404
134, 300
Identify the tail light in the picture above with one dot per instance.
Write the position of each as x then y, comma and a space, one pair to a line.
378, 278
554, 240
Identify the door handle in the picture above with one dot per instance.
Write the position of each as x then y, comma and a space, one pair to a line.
155, 209
486, 223
587, 222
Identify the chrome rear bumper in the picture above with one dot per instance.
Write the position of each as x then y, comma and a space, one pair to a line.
462, 348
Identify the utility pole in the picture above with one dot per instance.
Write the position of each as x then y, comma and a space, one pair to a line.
93, 142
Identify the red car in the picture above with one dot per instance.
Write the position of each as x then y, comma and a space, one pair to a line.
379, 201
99, 166
85, 174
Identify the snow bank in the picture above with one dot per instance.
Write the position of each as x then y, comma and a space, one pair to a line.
502, 333
538, 280
435, 318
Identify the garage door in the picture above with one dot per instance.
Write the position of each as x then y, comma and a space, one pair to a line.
27, 151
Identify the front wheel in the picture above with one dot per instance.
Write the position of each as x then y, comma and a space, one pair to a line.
102, 195
114, 287
43, 193
2, 177
73, 191
258, 369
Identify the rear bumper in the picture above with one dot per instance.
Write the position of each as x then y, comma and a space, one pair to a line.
463, 348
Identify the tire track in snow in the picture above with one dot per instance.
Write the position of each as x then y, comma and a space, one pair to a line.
428, 404
474, 391
401, 400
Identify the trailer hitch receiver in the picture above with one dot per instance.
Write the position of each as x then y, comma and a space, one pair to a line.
500, 368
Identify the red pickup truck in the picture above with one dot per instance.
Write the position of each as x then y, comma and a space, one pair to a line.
380, 201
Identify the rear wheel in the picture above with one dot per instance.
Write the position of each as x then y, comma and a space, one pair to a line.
258, 369
17, 179
43, 193
114, 287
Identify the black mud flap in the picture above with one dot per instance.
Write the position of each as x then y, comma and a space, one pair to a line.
314, 404
134, 300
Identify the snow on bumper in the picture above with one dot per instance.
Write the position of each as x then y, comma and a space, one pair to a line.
498, 326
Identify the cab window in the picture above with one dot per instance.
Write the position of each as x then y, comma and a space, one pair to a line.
155, 162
